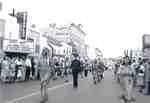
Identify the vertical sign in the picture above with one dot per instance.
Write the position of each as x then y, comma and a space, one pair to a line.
24, 25
22, 21
0, 6
2, 30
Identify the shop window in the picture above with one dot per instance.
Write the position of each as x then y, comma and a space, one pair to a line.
37, 48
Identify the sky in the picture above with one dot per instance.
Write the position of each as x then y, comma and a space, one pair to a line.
110, 25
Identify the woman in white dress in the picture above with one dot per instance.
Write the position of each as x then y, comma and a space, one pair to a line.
45, 74
127, 78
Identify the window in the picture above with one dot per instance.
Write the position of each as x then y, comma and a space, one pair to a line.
37, 48
2, 27
64, 51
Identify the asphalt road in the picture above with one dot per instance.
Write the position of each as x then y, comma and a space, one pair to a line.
108, 91
15, 90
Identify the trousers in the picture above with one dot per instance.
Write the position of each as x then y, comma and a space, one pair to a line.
75, 79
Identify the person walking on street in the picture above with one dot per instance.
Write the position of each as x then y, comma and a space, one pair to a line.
12, 67
116, 68
82, 69
1, 59
102, 67
28, 68
134, 66
62, 67
18, 64
94, 71
118, 73
57, 68
141, 75
147, 78
45, 75
127, 77
32, 67
75, 66
5, 69
86, 68
66, 68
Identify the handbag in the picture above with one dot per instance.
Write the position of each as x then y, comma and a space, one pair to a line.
19, 73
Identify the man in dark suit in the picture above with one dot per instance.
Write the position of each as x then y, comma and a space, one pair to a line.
76, 67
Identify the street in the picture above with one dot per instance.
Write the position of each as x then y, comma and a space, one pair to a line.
64, 38
107, 91
20, 89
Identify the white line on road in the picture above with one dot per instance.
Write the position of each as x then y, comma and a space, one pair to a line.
36, 93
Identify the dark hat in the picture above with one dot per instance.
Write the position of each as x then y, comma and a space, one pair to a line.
45, 52
75, 55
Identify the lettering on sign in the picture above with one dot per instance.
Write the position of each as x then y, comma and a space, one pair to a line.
146, 41
15, 46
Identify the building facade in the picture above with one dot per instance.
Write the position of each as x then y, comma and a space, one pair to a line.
146, 45
49, 40
10, 41
33, 34
71, 34
98, 53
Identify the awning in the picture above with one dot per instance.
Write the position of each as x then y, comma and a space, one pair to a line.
34, 55
71, 44
15, 54
63, 56
53, 41
13, 51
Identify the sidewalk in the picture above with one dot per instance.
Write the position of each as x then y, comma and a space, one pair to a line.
140, 97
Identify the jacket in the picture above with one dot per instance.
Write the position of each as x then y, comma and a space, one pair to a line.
76, 66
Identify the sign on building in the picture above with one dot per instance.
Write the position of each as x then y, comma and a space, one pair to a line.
0, 6
17, 46
22, 21
146, 41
